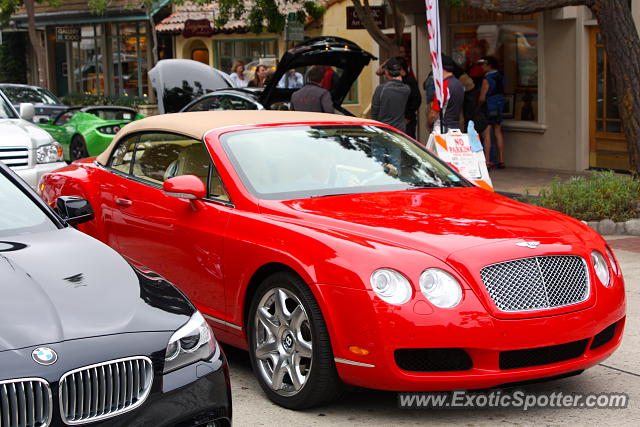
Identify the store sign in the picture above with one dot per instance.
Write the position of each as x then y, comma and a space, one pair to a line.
294, 32
354, 23
197, 28
67, 34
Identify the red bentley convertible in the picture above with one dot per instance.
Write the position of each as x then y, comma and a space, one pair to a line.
336, 249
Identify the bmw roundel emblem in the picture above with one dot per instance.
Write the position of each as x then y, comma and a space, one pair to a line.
44, 356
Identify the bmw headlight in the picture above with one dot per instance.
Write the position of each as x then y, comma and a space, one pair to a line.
189, 344
440, 288
601, 267
49, 153
391, 286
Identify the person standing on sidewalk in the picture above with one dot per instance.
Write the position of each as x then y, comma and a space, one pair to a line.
312, 96
492, 100
390, 98
388, 106
414, 101
453, 91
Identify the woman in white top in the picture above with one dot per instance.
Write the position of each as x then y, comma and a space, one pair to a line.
237, 75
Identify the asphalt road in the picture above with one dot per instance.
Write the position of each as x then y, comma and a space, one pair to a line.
619, 373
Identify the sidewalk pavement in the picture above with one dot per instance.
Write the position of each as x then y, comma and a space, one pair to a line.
523, 180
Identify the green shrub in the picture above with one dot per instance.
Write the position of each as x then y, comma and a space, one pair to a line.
84, 99
598, 196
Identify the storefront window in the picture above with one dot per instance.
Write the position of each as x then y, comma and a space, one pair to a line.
111, 62
514, 43
251, 52
88, 76
129, 45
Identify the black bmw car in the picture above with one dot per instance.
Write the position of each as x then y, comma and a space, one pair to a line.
88, 338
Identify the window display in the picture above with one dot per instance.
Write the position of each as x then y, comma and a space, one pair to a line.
514, 42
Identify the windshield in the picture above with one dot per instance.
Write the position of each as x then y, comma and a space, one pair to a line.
19, 213
18, 95
297, 162
112, 113
6, 112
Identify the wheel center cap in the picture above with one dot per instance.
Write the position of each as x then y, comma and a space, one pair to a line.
288, 341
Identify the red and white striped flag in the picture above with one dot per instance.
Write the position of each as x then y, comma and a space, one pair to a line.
433, 27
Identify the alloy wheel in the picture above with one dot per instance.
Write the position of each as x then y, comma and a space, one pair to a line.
283, 341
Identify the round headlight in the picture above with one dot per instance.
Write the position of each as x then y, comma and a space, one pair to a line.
440, 288
391, 286
612, 261
600, 265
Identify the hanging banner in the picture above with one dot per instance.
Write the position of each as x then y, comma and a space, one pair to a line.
433, 27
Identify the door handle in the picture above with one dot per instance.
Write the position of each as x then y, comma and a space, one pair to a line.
123, 202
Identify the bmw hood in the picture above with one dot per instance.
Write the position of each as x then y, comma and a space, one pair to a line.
177, 82
64, 285
20, 133
440, 222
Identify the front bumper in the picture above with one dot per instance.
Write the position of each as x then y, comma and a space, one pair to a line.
33, 174
358, 318
195, 395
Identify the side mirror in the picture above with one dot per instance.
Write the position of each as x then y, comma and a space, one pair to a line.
185, 187
45, 121
74, 210
27, 111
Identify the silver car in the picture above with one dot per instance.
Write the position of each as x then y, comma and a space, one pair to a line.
24, 147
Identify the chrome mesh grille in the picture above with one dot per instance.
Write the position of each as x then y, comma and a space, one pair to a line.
14, 156
104, 390
25, 403
537, 283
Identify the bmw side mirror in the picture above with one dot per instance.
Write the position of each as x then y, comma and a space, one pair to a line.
74, 210
185, 187
27, 111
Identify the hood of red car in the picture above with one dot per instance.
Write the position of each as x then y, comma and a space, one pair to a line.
439, 221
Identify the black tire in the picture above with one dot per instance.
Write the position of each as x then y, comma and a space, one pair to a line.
78, 148
322, 385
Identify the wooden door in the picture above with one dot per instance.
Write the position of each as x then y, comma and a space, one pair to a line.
607, 145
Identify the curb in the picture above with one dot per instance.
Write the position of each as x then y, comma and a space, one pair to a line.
607, 227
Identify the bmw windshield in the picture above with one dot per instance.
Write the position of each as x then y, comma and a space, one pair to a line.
20, 94
294, 162
19, 213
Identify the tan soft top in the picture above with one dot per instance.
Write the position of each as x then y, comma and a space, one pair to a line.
197, 124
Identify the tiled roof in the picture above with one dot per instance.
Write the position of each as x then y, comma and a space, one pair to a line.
174, 23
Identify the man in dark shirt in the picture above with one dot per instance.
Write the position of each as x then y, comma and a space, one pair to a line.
415, 99
313, 97
390, 98
453, 92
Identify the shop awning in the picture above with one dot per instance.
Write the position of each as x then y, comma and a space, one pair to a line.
174, 23
75, 12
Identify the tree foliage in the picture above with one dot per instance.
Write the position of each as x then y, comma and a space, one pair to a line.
260, 15
13, 66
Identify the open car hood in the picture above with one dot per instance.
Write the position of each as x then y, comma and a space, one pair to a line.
177, 82
333, 51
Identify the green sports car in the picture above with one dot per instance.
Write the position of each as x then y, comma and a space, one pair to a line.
87, 131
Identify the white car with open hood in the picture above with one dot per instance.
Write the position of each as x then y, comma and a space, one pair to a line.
24, 147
